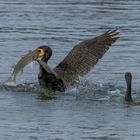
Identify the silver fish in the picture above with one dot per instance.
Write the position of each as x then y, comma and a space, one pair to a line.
24, 61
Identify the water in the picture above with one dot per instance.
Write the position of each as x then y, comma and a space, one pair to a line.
94, 109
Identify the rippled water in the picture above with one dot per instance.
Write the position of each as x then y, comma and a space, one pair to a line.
94, 109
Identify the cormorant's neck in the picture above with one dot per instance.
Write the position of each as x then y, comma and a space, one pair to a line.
42, 70
45, 59
128, 96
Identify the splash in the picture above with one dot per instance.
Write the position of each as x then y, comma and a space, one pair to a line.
85, 90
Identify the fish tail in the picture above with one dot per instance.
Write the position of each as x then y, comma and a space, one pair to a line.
11, 81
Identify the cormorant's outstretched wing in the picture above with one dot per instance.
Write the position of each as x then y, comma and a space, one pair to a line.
84, 56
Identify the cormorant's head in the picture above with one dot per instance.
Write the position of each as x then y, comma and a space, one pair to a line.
128, 77
44, 52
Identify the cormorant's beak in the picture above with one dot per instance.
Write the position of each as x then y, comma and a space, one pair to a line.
39, 53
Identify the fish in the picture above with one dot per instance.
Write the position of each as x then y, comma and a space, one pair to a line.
24, 61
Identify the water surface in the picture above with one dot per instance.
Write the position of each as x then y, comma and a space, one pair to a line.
94, 109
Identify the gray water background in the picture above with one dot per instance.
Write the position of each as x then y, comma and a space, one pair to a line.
94, 109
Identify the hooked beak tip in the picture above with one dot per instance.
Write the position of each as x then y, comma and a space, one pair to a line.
38, 54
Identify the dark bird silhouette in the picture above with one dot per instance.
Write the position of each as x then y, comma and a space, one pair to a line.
128, 98
77, 63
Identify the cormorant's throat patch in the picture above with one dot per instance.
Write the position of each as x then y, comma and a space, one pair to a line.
41, 52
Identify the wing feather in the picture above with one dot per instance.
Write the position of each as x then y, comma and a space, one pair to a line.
84, 56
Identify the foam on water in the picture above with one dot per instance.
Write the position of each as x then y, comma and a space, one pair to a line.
84, 90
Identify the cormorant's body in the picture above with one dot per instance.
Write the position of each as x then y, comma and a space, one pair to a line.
50, 81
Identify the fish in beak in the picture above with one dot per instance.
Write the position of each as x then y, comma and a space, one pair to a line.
24, 61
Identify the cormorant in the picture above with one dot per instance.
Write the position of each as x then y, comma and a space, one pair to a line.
77, 63
128, 98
